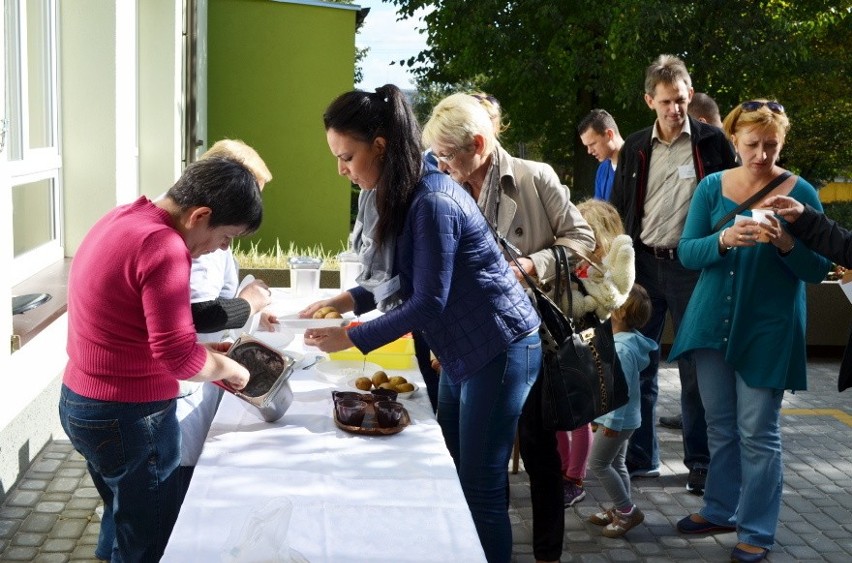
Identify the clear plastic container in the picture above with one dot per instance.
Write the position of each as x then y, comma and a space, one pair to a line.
350, 268
305, 275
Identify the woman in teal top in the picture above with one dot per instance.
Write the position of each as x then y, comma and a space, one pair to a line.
745, 325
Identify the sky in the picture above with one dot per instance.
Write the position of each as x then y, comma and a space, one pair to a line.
389, 40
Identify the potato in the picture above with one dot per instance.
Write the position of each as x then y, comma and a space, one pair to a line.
333, 315
323, 311
387, 385
404, 388
379, 377
397, 380
363, 383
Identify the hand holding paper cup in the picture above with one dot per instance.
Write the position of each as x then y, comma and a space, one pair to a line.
762, 216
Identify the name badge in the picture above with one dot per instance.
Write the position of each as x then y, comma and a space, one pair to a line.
686, 171
385, 290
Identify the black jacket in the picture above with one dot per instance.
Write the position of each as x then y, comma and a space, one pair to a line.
711, 152
821, 234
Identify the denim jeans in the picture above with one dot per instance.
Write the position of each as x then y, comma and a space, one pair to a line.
424, 361
543, 464
670, 286
745, 476
608, 465
479, 418
132, 451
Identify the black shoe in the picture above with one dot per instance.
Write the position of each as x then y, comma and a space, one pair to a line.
742, 556
696, 480
674, 422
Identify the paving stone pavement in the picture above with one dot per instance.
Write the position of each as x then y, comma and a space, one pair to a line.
51, 514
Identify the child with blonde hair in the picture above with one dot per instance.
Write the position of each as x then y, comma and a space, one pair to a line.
602, 294
607, 461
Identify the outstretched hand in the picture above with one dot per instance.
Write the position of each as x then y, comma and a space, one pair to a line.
342, 302
785, 206
331, 339
257, 294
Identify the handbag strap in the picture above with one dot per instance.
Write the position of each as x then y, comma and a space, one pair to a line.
579, 251
562, 263
539, 293
512, 252
774, 183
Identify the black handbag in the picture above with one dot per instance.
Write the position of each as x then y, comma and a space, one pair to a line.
581, 374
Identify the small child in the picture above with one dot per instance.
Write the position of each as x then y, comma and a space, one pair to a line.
575, 446
607, 460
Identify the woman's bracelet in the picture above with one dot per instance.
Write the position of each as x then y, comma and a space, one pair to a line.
723, 248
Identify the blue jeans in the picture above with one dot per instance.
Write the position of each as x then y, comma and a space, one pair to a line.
132, 451
670, 286
745, 476
479, 418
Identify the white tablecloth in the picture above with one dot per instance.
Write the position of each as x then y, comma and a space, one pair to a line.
354, 498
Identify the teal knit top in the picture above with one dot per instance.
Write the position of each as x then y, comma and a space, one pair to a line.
750, 302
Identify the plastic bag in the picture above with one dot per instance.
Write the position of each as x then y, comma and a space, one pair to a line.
262, 538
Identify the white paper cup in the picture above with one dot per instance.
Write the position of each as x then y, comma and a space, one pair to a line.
762, 217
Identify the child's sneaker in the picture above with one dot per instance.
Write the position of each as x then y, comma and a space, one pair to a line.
602, 518
572, 492
622, 522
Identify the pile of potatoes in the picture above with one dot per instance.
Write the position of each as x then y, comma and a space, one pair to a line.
380, 380
327, 313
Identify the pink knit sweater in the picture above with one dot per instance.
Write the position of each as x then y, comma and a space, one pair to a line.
130, 330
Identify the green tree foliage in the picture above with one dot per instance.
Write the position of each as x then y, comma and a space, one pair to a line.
550, 62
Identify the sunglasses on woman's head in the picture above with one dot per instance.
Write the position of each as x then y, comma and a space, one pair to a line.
488, 98
755, 105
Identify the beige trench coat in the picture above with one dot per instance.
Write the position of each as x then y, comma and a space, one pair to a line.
536, 212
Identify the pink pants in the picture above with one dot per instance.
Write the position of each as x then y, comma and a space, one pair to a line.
574, 448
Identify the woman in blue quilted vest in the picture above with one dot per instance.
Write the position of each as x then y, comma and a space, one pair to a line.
431, 265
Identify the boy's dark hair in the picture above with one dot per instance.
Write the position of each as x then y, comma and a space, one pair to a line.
598, 120
224, 185
704, 106
637, 308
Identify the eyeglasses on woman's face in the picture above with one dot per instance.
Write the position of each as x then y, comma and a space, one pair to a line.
449, 157
446, 158
754, 105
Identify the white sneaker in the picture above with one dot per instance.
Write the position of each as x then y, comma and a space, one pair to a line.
622, 522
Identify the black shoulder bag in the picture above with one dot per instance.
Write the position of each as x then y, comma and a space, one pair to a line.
581, 374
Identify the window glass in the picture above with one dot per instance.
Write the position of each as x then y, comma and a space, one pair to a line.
39, 73
32, 222
14, 128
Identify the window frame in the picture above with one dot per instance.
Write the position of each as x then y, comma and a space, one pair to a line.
25, 165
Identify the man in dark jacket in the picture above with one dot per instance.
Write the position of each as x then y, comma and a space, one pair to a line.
658, 170
703, 108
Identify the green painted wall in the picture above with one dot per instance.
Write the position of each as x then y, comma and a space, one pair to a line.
273, 68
